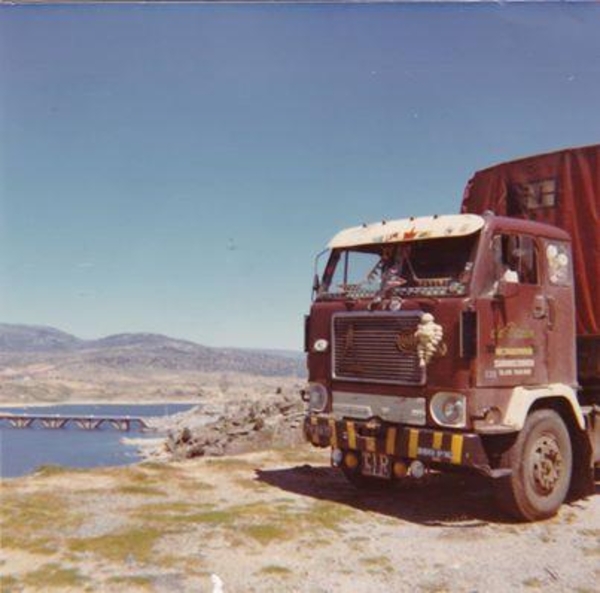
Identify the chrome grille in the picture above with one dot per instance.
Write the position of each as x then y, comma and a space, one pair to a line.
377, 347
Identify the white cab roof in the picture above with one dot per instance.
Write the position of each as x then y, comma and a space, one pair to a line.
409, 229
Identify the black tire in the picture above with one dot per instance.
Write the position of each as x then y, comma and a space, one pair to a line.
541, 460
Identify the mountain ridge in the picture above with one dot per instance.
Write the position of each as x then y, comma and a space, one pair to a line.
125, 351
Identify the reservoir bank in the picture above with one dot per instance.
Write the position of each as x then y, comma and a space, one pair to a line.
23, 450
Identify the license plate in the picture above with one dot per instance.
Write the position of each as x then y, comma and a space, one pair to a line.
378, 466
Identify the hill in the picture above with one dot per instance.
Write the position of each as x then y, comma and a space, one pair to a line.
141, 350
44, 363
34, 338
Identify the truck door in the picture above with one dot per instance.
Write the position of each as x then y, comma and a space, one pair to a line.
513, 320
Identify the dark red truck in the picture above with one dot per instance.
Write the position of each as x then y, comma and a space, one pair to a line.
469, 340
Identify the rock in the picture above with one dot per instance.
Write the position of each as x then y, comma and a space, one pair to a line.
237, 427
185, 436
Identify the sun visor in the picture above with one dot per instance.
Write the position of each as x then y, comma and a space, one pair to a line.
408, 229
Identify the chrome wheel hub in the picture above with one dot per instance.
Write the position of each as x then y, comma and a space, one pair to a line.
547, 463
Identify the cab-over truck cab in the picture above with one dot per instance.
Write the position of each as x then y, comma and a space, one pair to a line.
449, 341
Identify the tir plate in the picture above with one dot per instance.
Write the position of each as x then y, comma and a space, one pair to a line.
378, 466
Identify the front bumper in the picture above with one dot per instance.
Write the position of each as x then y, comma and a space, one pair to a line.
404, 442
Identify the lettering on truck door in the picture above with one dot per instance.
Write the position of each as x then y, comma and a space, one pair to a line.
513, 321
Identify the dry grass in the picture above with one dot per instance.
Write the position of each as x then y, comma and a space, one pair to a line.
299, 528
32, 521
133, 544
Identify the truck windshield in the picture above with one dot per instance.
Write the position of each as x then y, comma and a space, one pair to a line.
430, 267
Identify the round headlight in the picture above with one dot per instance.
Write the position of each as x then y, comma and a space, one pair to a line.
449, 409
317, 397
320, 345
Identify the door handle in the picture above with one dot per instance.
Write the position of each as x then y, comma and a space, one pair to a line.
545, 307
540, 306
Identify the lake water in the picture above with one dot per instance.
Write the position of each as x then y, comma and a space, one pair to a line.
23, 450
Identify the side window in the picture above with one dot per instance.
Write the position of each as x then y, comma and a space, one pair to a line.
558, 260
523, 198
516, 259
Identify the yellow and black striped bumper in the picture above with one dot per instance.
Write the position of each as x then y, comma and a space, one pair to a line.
403, 442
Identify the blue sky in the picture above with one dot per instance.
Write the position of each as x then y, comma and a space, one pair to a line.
175, 168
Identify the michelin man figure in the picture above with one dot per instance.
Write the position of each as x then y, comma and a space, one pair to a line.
429, 337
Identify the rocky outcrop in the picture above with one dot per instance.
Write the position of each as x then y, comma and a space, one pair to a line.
237, 427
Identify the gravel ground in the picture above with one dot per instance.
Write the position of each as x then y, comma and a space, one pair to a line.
281, 520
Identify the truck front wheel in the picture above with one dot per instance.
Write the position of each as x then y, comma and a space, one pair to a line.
541, 461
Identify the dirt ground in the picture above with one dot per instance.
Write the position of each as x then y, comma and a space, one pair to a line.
280, 521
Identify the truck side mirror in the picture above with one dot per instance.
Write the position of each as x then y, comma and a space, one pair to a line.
316, 287
316, 284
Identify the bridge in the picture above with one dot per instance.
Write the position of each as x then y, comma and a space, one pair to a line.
122, 423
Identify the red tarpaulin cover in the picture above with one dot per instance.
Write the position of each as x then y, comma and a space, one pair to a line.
560, 188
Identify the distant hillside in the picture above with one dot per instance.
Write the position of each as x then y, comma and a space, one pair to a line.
136, 351
33, 338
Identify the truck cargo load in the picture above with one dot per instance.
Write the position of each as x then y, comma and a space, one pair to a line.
559, 188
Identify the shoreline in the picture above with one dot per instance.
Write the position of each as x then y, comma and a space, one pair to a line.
112, 402
215, 427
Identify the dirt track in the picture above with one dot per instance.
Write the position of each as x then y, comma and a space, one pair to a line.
280, 521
